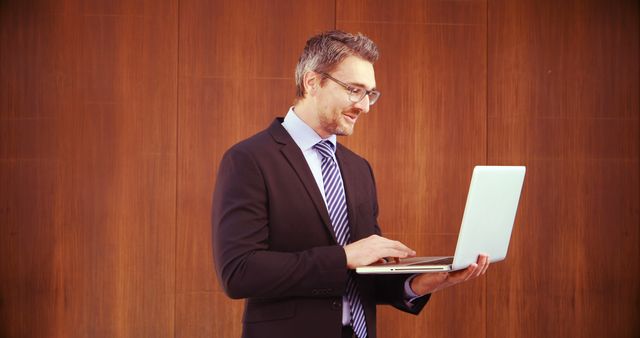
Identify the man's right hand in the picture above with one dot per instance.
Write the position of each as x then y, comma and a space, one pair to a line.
373, 249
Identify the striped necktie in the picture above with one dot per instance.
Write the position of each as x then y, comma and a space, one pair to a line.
337, 207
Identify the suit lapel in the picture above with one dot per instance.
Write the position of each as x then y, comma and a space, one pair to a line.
294, 156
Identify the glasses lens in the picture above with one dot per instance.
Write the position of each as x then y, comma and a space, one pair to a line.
373, 97
356, 94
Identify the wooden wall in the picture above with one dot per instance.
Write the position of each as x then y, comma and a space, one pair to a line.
88, 168
115, 114
564, 99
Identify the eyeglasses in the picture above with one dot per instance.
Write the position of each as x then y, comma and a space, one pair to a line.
356, 94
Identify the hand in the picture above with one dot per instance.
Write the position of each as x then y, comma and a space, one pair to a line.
374, 248
432, 282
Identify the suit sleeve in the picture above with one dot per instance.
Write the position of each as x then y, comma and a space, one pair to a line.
245, 266
390, 291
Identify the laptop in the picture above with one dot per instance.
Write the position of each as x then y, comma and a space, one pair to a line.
486, 226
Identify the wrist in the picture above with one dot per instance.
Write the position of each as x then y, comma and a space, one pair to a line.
408, 290
416, 287
347, 257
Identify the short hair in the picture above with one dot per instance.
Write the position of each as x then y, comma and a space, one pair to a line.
325, 51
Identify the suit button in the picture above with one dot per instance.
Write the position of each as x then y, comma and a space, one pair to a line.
336, 304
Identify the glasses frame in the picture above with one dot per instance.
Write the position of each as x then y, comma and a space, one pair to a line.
350, 89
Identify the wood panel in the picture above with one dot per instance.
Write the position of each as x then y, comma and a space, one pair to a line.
88, 168
27, 176
237, 62
424, 137
115, 114
563, 99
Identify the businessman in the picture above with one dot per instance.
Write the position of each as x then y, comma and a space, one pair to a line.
295, 212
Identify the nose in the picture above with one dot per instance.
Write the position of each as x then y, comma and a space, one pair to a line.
363, 104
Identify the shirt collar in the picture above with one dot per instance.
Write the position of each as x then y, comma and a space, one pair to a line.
304, 136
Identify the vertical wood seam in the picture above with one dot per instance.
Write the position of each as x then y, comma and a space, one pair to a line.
177, 168
486, 94
486, 102
335, 14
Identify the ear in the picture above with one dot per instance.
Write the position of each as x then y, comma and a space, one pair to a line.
311, 82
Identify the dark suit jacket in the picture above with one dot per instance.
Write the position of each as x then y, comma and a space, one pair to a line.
274, 244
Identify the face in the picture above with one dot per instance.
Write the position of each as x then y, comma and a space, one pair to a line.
336, 113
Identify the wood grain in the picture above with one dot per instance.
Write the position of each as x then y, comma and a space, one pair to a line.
89, 105
563, 99
424, 137
114, 116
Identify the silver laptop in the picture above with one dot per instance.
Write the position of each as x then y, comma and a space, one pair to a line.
488, 218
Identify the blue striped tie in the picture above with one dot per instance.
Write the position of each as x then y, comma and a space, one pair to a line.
337, 207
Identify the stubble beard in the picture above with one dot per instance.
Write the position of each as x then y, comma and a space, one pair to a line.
331, 124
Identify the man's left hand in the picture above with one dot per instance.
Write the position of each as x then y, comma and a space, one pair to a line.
431, 282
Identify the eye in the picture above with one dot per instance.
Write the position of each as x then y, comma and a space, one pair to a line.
357, 91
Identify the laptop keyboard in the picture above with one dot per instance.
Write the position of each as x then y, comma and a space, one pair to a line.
443, 261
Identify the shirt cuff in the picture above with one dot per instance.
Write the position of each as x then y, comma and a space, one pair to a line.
409, 295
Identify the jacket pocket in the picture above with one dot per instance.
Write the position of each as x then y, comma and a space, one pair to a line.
260, 311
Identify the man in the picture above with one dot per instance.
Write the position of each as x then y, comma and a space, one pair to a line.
294, 212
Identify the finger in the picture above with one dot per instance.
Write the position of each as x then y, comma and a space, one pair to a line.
395, 253
403, 248
483, 262
477, 270
380, 255
482, 258
486, 267
396, 245
473, 273
377, 248
461, 275
390, 260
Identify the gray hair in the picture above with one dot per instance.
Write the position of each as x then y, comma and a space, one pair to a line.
325, 51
